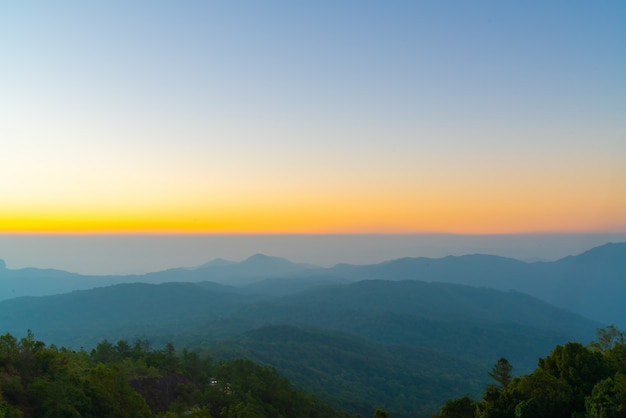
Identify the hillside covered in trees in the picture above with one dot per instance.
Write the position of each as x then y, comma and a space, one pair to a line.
572, 381
134, 381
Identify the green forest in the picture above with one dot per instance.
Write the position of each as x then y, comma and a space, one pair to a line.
133, 380
573, 381
136, 380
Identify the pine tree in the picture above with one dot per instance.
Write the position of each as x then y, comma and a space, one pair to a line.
501, 372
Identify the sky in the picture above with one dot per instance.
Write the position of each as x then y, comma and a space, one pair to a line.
313, 117
325, 117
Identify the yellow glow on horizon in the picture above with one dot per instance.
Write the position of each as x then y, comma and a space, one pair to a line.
472, 197
473, 212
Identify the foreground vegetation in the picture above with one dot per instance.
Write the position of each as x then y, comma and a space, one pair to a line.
572, 381
120, 380
124, 380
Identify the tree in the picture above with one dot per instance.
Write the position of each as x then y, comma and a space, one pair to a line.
123, 349
111, 395
608, 338
612, 344
9, 350
104, 352
380, 413
170, 360
573, 381
501, 372
579, 367
541, 395
458, 408
608, 398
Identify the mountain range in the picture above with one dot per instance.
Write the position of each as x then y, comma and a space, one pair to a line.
407, 345
590, 284
406, 334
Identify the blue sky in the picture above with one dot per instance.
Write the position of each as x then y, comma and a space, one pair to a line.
313, 117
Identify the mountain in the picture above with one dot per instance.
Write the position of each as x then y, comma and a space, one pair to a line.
83, 317
441, 316
287, 285
590, 283
252, 269
445, 301
42, 282
459, 320
477, 270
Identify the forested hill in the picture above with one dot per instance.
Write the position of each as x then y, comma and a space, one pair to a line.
572, 381
132, 380
417, 299
83, 317
356, 374
463, 321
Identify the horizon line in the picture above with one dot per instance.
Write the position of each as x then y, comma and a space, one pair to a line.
301, 233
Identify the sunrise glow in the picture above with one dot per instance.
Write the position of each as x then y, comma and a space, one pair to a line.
386, 121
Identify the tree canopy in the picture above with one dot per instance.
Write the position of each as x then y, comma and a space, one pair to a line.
572, 381
122, 380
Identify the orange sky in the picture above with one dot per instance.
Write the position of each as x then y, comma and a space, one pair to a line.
455, 198
409, 119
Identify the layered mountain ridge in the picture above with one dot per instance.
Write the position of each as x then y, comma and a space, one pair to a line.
589, 283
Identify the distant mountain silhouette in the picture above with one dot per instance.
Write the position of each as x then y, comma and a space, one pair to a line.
42, 282
266, 260
591, 283
254, 268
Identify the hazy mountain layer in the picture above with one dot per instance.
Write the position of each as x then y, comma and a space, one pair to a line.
43, 282
590, 284
463, 321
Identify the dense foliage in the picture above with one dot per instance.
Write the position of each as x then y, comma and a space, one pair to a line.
572, 381
122, 380
353, 374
